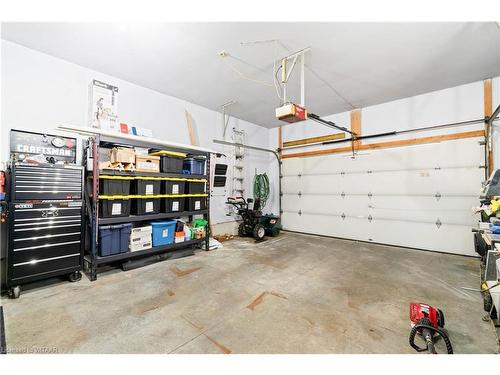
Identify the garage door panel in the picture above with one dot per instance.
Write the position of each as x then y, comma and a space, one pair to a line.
452, 210
447, 238
319, 224
333, 205
462, 181
419, 196
290, 203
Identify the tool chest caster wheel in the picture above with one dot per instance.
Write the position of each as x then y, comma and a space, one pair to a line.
15, 292
75, 276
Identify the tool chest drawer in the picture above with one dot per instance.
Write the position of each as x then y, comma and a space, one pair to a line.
45, 251
39, 267
46, 181
45, 221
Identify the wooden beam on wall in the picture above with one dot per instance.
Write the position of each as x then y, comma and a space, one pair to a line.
191, 130
391, 144
280, 139
488, 111
356, 126
307, 141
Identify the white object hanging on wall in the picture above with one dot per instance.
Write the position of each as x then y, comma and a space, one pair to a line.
104, 106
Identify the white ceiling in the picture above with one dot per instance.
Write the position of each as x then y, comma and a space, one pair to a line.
349, 65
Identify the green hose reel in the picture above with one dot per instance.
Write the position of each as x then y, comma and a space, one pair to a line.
261, 188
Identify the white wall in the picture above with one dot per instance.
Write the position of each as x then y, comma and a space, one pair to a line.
40, 92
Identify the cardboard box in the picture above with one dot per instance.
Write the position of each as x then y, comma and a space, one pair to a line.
144, 229
140, 246
147, 163
122, 155
140, 239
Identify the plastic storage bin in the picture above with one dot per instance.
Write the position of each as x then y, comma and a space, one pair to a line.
170, 162
145, 206
195, 187
173, 187
172, 205
114, 185
146, 186
114, 207
195, 165
163, 232
195, 203
114, 239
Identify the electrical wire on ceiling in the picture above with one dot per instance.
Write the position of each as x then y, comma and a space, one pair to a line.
276, 83
241, 74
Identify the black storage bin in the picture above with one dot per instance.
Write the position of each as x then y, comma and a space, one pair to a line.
114, 186
171, 164
145, 206
114, 239
172, 205
194, 187
114, 207
146, 187
173, 187
195, 203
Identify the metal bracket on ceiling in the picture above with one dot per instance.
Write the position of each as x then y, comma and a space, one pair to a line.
370, 195
370, 218
300, 212
285, 73
343, 216
437, 196
342, 195
300, 194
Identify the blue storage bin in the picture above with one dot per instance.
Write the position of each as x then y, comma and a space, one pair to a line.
495, 229
114, 239
194, 165
163, 232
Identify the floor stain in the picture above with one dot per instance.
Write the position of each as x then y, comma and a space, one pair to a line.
224, 349
154, 303
375, 334
308, 320
258, 300
180, 272
192, 323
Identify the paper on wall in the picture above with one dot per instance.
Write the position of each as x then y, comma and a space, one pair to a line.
104, 106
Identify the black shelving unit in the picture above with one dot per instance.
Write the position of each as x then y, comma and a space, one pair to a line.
91, 153
134, 218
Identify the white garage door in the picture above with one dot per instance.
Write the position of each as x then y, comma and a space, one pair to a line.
419, 196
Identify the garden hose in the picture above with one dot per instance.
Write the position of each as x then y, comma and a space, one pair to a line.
261, 188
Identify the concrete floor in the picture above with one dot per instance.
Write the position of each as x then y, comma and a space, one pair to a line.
291, 294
